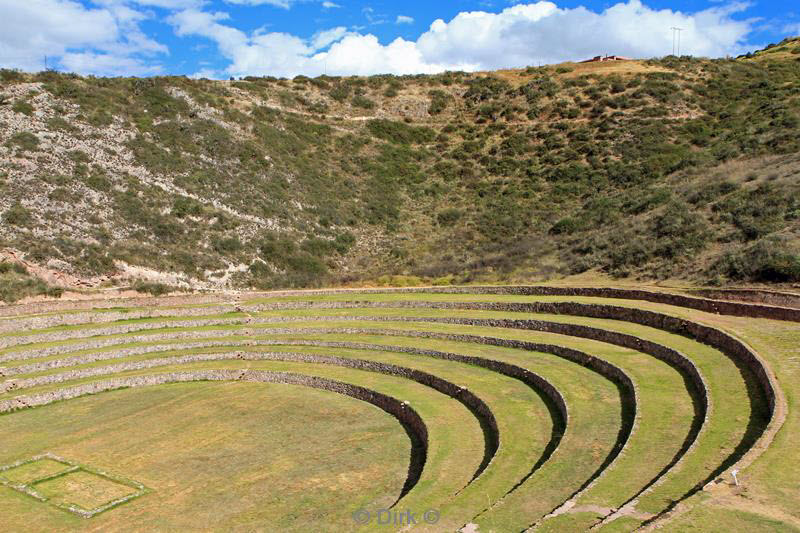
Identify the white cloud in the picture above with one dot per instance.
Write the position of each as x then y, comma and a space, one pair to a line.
165, 4
105, 39
520, 35
403, 19
286, 4
324, 38
373, 18
329, 5
209, 73
106, 64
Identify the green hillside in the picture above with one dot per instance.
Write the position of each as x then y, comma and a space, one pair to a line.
676, 168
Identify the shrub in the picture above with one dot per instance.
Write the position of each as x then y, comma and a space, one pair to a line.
184, 206
276, 248
98, 181
6, 267
94, 259
486, 88
9, 75
318, 247
363, 102
566, 226
400, 133
226, 245
393, 89
449, 216
17, 215
340, 92
628, 252
344, 241
679, 231
152, 288
21, 106
15, 284
58, 123
768, 260
439, 100
24, 140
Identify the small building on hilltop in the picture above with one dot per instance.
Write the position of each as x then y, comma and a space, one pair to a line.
607, 58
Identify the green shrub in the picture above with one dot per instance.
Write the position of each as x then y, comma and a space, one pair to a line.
678, 231
16, 284
439, 100
184, 206
448, 217
340, 92
566, 226
18, 215
363, 102
486, 88
276, 248
59, 124
98, 180
152, 288
393, 89
21, 106
768, 260
24, 140
226, 245
6, 267
318, 247
10, 76
627, 251
344, 241
398, 132
95, 260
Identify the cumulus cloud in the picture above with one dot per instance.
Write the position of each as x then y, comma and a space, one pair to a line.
75, 35
404, 19
283, 54
520, 35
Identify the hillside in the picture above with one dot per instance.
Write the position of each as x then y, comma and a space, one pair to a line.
676, 168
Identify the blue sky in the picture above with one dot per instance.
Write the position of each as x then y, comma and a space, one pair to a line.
221, 38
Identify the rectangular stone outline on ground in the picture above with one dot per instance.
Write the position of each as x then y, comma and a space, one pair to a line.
70, 467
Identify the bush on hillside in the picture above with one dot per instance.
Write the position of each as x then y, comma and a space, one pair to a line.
439, 100
768, 260
24, 140
18, 215
400, 133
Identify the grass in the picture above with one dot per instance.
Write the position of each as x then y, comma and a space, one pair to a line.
663, 418
35, 470
311, 461
84, 489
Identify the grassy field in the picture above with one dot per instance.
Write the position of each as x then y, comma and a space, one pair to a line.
502, 453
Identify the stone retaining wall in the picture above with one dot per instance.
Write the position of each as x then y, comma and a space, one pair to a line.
759, 296
108, 317
19, 340
791, 311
